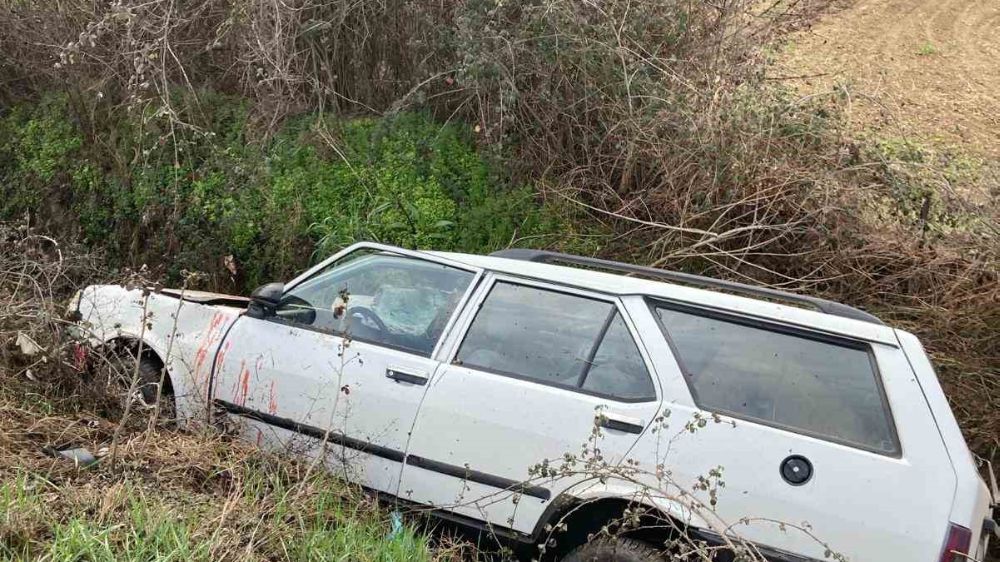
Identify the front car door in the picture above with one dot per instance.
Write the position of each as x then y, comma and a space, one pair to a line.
345, 361
522, 383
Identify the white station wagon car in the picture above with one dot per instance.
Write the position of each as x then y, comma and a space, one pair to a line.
548, 397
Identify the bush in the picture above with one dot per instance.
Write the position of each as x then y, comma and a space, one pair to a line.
189, 199
36, 146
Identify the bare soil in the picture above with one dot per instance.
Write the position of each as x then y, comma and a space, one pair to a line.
928, 70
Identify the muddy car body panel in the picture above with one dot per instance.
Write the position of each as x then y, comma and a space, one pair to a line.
499, 390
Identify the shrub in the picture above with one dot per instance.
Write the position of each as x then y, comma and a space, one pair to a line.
36, 145
189, 198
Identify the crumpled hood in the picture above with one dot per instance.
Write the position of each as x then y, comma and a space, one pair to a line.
206, 297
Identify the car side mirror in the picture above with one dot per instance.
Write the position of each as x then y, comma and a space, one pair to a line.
264, 300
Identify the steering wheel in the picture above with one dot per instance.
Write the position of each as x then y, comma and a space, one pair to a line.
367, 314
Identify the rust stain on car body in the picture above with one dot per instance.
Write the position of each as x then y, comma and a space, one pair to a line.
272, 402
241, 386
207, 341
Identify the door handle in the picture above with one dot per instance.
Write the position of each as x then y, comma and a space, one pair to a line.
402, 376
618, 422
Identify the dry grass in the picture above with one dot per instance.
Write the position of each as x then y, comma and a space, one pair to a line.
173, 495
165, 494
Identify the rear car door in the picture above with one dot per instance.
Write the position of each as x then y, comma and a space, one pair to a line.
522, 384
344, 361
825, 442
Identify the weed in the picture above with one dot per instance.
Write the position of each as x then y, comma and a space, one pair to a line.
131, 520
316, 186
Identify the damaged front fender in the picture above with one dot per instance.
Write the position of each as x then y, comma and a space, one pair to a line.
184, 333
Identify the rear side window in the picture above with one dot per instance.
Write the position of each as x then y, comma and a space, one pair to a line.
814, 386
556, 339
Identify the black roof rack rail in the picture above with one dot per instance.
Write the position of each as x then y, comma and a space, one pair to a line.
556, 258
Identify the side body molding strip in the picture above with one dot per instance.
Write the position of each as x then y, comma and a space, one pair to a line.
387, 453
312, 431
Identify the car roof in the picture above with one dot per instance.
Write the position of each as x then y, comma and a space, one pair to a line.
622, 285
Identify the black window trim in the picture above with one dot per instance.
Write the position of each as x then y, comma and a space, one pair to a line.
785, 329
588, 363
616, 309
477, 277
573, 389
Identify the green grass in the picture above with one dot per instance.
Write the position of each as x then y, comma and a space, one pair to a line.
927, 49
185, 200
269, 517
921, 173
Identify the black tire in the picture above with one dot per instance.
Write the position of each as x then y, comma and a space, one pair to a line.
614, 550
150, 371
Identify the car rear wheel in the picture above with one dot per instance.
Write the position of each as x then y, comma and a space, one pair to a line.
614, 550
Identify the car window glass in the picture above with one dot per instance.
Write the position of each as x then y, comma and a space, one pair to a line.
818, 387
380, 298
534, 333
617, 368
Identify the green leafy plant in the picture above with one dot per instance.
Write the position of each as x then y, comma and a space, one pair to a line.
204, 198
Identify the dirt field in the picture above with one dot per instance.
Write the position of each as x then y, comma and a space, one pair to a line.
922, 69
